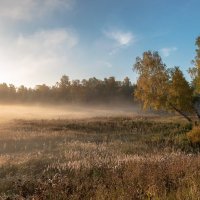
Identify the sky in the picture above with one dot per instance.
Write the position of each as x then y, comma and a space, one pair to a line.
41, 40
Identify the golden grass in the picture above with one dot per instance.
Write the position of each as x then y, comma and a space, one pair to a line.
98, 158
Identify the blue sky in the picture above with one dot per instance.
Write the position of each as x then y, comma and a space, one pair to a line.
40, 40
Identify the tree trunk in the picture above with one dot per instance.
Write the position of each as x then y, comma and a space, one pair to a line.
180, 112
198, 115
196, 106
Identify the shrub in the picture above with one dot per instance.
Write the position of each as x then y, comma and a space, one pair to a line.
194, 135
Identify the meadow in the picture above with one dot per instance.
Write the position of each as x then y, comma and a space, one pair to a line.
103, 157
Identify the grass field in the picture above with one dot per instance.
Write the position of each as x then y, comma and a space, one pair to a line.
98, 158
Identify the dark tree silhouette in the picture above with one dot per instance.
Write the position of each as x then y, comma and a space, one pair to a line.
92, 90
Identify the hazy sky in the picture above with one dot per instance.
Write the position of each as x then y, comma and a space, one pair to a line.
40, 40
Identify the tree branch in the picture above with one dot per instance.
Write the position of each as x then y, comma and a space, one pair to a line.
180, 112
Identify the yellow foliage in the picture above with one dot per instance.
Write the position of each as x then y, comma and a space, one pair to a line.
152, 82
195, 71
194, 135
180, 92
159, 89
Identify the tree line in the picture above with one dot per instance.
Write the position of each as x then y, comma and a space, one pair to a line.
93, 90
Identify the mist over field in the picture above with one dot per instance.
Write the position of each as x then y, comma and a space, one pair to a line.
94, 152
68, 111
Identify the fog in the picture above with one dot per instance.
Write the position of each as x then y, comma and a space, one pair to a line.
11, 112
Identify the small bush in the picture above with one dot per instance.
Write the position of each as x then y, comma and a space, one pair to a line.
194, 135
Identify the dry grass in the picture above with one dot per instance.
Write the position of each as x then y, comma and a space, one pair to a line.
98, 158
194, 135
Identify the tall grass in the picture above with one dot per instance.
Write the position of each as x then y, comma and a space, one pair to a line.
99, 158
